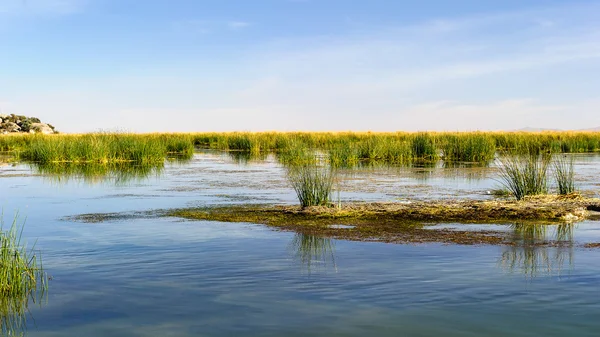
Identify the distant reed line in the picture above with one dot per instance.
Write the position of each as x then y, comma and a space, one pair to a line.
342, 148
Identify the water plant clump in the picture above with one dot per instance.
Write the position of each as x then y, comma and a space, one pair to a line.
564, 174
469, 147
423, 147
21, 272
524, 175
313, 183
22, 279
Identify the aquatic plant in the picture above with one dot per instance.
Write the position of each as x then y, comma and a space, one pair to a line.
21, 279
524, 175
297, 154
102, 148
343, 148
564, 174
423, 147
313, 183
469, 147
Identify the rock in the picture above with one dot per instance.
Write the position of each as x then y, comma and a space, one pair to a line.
12, 127
41, 128
0, 120
3, 116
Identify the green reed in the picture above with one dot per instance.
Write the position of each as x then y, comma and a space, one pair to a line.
313, 183
104, 148
22, 279
469, 147
424, 147
524, 175
343, 148
297, 153
564, 174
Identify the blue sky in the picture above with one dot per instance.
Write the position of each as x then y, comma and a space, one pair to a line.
218, 65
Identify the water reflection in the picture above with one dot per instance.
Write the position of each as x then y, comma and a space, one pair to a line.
13, 315
313, 251
15, 301
246, 157
538, 250
119, 173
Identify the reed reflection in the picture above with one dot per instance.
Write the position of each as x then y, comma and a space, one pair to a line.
313, 252
118, 173
538, 250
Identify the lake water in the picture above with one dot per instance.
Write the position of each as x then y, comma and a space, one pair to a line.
171, 277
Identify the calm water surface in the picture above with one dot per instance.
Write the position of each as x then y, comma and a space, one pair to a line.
168, 277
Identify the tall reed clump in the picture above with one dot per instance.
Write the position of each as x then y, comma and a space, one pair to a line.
21, 279
469, 147
296, 153
564, 174
423, 147
313, 183
21, 272
525, 175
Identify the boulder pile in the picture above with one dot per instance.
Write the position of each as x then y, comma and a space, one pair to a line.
21, 124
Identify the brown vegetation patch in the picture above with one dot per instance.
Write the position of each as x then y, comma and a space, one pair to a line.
403, 222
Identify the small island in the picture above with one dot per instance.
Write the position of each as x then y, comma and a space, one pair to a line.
22, 124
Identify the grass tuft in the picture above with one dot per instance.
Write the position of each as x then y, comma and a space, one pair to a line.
524, 175
313, 183
564, 174
21, 278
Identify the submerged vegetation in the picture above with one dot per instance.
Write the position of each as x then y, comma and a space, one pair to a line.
398, 222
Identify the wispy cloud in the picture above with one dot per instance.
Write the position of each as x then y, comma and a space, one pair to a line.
492, 71
198, 26
235, 25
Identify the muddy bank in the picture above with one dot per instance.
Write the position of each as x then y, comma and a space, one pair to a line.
406, 222
551, 209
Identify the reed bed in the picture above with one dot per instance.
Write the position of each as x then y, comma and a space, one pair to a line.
343, 148
101, 148
469, 147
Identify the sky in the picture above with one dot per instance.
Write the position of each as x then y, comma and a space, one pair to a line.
309, 65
